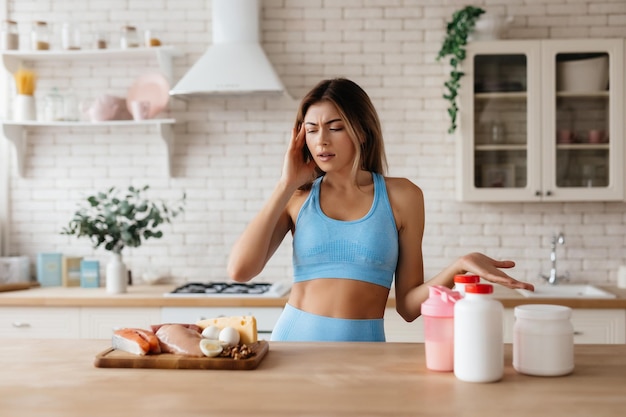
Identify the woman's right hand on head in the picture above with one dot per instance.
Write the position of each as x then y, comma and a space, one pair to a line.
297, 171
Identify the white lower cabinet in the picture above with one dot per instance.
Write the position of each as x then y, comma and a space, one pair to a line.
72, 322
40, 322
591, 326
98, 323
266, 317
398, 330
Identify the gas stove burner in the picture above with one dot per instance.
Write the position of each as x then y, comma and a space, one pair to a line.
217, 289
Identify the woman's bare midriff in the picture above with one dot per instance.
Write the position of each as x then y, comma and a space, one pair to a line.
340, 298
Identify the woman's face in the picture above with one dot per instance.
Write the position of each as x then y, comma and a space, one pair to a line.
327, 139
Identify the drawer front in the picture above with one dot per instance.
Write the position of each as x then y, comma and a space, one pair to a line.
599, 326
266, 317
98, 323
40, 322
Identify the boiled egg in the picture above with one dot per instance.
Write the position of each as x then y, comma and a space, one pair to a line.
229, 336
211, 332
210, 347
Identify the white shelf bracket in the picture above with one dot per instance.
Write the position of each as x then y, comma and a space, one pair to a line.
167, 134
18, 137
11, 63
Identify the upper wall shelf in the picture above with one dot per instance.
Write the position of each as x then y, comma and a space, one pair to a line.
15, 132
164, 54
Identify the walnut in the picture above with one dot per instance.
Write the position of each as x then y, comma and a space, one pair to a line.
240, 351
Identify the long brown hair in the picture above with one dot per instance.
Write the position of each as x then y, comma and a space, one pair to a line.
360, 117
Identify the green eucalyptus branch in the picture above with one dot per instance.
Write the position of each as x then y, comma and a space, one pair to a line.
457, 32
116, 221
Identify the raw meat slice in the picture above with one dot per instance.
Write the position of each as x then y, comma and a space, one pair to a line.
178, 339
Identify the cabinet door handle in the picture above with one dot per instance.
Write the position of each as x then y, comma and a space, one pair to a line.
548, 193
578, 333
538, 193
20, 325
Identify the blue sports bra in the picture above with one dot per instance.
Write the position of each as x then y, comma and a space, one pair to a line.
365, 249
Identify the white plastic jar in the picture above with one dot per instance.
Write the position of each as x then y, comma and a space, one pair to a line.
543, 340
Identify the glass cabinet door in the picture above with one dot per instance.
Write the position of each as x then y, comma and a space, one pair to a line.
500, 121
584, 91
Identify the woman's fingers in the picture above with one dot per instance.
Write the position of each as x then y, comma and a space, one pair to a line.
489, 269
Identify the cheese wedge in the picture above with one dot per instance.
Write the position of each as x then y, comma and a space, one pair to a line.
245, 325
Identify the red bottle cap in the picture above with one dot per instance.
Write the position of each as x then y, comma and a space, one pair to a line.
467, 279
479, 288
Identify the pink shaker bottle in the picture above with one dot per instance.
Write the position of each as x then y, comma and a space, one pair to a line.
438, 312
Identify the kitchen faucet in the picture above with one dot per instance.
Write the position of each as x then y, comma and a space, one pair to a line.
553, 277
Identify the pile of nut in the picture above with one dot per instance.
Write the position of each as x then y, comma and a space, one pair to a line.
240, 351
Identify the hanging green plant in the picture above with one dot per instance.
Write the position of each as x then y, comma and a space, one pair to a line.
457, 31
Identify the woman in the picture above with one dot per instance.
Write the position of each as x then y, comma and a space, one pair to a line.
353, 229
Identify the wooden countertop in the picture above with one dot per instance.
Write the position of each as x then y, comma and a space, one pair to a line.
54, 378
153, 296
137, 296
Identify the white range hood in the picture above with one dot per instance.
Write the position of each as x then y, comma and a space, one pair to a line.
235, 63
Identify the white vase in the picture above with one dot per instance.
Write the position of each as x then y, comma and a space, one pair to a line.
25, 108
116, 275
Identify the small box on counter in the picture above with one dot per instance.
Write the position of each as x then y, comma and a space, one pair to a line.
14, 269
49, 269
71, 271
89, 274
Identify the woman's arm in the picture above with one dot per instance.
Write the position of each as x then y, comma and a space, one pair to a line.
411, 290
262, 236
267, 230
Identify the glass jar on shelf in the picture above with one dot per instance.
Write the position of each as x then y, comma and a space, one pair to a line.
151, 39
53, 106
70, 36
100, 40
40, 36
129, 37
9, 38
70, 107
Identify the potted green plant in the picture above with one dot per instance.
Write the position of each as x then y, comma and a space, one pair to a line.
457, 32
117, 220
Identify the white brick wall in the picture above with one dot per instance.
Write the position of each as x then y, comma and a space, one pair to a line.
229, 150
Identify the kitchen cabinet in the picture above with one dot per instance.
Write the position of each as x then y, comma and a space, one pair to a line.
542, 120
98, 323
398, 330
17, 132
72, 322
591, 326
40, 322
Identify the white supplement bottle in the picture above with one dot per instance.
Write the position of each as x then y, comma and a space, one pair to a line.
543, 340
478, 339
460, 281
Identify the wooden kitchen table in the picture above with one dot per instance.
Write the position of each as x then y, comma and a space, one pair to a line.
57, 378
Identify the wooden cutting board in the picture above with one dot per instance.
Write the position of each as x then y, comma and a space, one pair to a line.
16, 286
112, 358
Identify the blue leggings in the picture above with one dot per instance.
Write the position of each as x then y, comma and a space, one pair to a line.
297, 325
